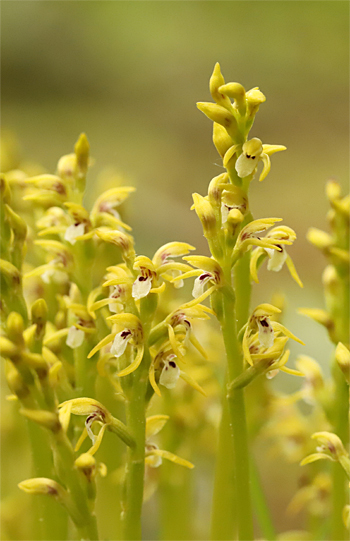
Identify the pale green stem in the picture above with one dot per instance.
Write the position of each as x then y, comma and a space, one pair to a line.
175, 488
64, 462
135, 468
260, 505
237, 415
50, 518
223, 523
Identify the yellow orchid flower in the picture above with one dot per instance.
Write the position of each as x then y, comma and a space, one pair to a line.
95, 412
132, 333
154, 455
277, 256
261, 340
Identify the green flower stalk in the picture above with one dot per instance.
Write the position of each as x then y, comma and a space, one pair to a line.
231, 233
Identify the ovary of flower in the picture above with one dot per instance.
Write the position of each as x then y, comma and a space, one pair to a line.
74, 231
75, 337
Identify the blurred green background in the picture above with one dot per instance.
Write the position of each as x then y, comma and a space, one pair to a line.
129, 74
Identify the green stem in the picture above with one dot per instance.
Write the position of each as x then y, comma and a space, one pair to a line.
260, 505
50, 518
237, 415
176, 504
64, 462
222, 518
133, 497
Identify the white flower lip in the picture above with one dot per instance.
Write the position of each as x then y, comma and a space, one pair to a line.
74, 231
120, 342
266, 333
141, 287
170, 373
245, 165
277, 258
199, 284
75, 337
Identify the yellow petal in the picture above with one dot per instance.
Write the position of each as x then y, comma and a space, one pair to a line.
55, 336
192, 382
97, 443
282, 328
154, 424
159, 289
173, 458
198, 346
82, 438
106, 340
245, 347
135, 364
314, 457
293, 271
152, 380
267, 166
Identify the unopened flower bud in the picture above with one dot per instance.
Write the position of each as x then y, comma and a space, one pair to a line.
206, 214
15, 328
9, 275
39, 316
237, 92
47, 419
254, 99
86, 463
342, 356
5, 193
82, 152
219, 114
320, 239
43, 485
221, 139
333, 190
66, 167
18, 225
15, 381
216, 81
216, 186
7, 348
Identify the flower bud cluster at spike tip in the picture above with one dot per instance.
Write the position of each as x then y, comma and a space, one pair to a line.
232, 123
